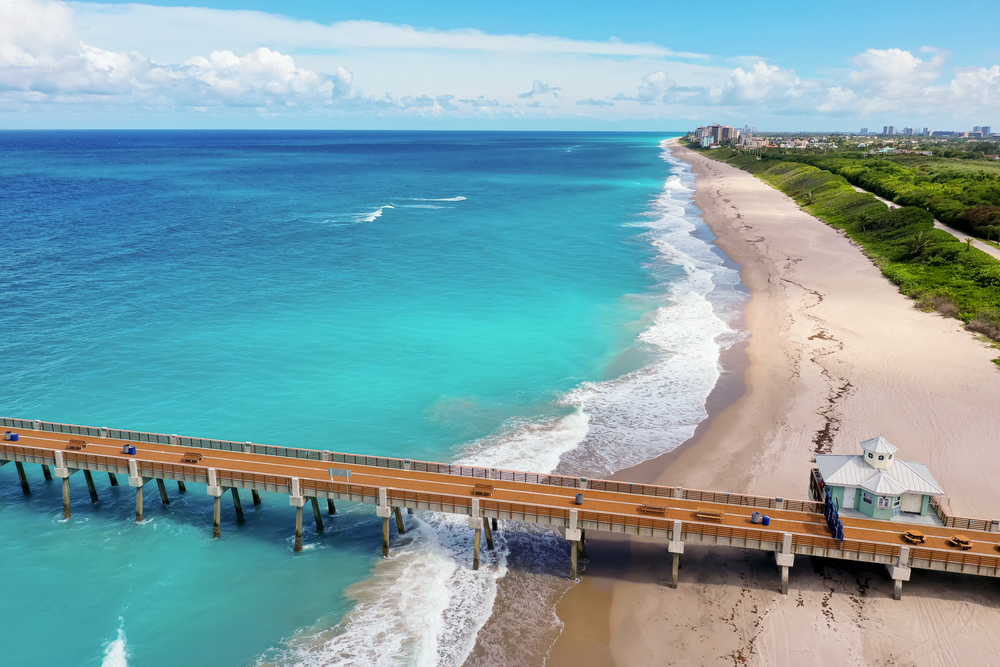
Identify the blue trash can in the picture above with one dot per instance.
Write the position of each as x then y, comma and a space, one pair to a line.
15, 437
765, 520
131, 450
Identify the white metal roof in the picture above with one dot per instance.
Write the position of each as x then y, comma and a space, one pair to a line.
901, 477
879, 445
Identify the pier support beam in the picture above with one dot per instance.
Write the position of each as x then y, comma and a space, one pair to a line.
494, 524
574, 534
676, 547
256, 496
237, 504
317, 514
583, 543
181, 487
400, 528
489, 533
90, 486
384, 512
24, 478
67, 512
385, 537
785, 559
113, 478
298, 529
900, 572
138, 504
217, 517
331, 509
46, 473
476, 546
162, 486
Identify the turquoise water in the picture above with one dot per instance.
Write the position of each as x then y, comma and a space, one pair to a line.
501, 297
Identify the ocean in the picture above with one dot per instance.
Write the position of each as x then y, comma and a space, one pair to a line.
534, 301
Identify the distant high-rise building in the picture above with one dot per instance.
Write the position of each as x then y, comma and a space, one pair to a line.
907, 130
864, 130
977, 128
926, 131
889, 129
987, 130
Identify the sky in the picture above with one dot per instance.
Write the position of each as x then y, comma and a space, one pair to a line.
515, 65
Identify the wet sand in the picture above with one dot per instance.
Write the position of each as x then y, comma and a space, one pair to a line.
836, 355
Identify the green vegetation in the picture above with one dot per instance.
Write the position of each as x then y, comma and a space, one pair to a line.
940, 272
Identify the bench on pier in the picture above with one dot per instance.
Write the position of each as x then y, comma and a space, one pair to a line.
482, 490
914, 537
77, 445
191, 457
708, 515
655, 510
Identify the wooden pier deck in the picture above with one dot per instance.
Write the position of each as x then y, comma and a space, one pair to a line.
486, 495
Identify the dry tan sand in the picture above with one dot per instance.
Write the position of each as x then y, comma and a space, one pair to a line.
837, 355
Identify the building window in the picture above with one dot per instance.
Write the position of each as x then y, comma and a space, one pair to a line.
883, 502
866, 497
870, 455
890, 457
881, 458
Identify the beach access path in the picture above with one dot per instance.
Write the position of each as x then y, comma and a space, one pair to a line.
976, 243
836, 355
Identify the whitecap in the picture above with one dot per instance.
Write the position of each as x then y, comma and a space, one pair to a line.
115, 651
444, 199
374, 215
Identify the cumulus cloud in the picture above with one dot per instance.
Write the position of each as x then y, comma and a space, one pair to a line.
481, 101
654, 86
539, 88
43, 58
594, 103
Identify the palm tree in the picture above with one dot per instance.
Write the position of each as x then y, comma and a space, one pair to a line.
918, 243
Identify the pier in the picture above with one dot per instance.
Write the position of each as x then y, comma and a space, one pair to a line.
487, 496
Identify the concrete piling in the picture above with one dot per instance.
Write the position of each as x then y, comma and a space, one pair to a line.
675, 571
900, 572
217, 517
67, 512
331, 509
181, 487
113, 478
476, 547
162, 486
785, 559
784, 580
574, 548
24, 478
138, 504
400, 528
238, 505
489, 533
676, 547
90, 486
317, 515
298, 529
583, 543
494, 524
256, 497
46, 473
385, 537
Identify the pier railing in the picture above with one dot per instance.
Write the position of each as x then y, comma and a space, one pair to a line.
653, 490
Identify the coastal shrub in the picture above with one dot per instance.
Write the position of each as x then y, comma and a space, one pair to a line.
987, 322
927, 264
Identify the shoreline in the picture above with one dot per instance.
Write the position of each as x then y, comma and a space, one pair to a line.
836, 355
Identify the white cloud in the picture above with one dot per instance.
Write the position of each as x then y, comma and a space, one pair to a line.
539, 88
594, 103
43, 58
653, 86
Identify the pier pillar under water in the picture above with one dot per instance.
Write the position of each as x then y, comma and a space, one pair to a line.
237, 504
574, 549
138, 504
90, 486
400, 528
476, 546
385, 537
317, 514
162, 486
67, 512
24, 478
113, 478
489, 533
256, 497
46, 473
216, 516
181, 487
331, 509
298, 529
494, 521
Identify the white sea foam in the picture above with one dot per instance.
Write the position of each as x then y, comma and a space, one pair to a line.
115, 651
374, 215
443, 199
425, 606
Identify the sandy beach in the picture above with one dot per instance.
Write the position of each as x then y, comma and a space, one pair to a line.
836, 355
